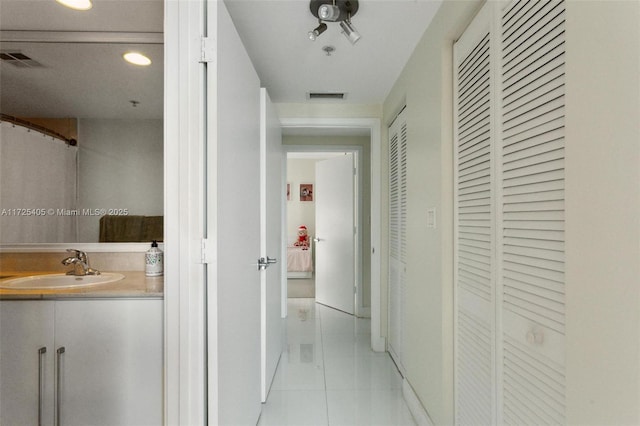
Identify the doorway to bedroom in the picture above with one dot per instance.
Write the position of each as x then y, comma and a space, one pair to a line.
301, 217
300, 224
305, 149
361, 135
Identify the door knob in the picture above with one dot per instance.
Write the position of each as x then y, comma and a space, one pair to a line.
316, 239
264, 263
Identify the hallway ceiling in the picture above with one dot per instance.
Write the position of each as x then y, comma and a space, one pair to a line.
290, 65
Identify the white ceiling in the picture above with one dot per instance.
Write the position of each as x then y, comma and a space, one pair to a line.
81, 79
105, 15
290, 65
85, 79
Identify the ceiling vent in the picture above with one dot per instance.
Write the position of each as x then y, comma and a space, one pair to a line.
19, 59
325, 95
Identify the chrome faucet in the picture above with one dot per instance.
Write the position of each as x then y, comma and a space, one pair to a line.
80, 262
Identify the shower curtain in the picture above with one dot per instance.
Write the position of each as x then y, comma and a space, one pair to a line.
37, 187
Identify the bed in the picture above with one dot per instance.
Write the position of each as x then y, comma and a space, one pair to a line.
299, 262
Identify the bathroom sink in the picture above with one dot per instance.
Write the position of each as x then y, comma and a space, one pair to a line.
53, 281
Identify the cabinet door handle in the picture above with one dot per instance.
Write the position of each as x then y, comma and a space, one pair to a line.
41, 352
59, 353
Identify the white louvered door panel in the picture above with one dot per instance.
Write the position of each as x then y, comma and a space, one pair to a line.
397, 235
510, 299
474, 241
532, 244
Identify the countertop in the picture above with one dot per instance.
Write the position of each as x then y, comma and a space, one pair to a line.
135, 284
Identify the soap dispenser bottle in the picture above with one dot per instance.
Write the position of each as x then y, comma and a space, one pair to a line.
153, 259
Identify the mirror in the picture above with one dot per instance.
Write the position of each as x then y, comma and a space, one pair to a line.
63, 70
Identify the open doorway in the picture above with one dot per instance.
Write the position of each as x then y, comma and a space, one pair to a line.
304, 134
324, 236
305, 149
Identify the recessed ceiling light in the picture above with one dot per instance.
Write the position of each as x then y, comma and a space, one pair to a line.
76, 4
136, 58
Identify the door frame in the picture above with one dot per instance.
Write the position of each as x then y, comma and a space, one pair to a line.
268, 118
378, 342
185, 362
359, 309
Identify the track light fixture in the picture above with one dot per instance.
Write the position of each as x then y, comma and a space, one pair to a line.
349, 31
334, 11
329, 12
313, 34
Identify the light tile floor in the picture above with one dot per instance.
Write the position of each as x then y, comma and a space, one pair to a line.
328, 375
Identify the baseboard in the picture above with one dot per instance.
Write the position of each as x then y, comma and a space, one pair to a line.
378, 344
362, 312
415, 406
299, 275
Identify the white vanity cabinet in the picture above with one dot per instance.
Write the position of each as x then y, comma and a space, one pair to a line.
102, 365
26, 368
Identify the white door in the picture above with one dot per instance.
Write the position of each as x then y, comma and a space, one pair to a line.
398, 142
509, 75
335, 233
233, 227
270, 239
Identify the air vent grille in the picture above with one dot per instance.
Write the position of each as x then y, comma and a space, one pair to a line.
19, 59
325, 95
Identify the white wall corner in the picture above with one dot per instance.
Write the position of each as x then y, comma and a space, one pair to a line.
418, 412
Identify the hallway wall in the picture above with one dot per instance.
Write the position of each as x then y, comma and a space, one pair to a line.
425, 87
603, 212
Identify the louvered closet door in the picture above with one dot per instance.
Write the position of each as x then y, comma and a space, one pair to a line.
397, 235
475, 282
510, 299
532, 245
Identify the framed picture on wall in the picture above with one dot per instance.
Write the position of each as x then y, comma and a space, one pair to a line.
306, 192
